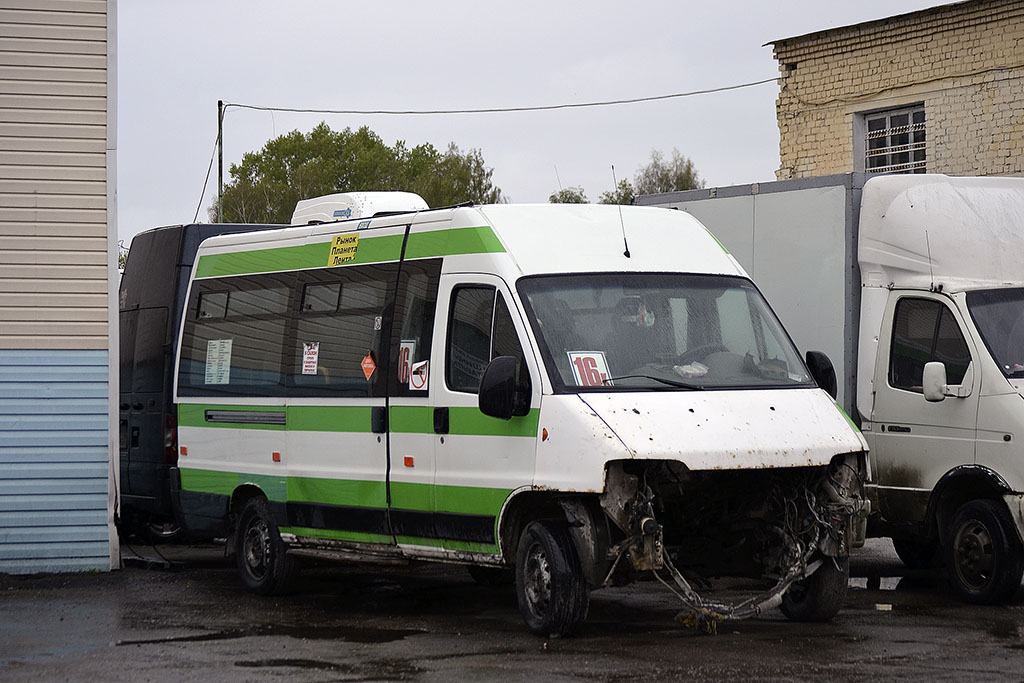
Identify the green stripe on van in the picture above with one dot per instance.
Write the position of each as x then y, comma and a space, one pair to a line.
480, 240
469, 500
463, 421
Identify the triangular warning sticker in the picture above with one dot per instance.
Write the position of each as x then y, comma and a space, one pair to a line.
368, 365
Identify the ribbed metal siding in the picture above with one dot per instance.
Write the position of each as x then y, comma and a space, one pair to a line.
54, 119
53, 461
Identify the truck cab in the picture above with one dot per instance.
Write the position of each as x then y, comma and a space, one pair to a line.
942, 339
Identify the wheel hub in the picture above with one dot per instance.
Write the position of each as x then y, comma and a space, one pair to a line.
257, 548
537, 583
974, 560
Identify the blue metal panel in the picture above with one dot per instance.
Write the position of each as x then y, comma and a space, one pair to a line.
54, 461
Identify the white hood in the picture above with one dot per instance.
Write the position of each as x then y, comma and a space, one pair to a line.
740, 429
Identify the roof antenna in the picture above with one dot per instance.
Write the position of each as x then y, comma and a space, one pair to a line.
931, 271
622, 224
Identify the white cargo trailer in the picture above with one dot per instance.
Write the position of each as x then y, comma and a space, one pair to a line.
914, 286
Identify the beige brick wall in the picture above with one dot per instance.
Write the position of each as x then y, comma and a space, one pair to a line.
964, 62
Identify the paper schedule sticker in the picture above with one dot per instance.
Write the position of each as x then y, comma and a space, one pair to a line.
418, 376
218, 361
590, 369
310, 357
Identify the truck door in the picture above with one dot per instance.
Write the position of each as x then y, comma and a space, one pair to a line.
914, 442
480, 460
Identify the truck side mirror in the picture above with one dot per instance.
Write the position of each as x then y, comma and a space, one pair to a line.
822, 372
934, 382
501, 396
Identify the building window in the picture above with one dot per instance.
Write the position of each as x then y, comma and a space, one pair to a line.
894, 141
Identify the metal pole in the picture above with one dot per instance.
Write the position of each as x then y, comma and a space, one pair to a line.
220, 161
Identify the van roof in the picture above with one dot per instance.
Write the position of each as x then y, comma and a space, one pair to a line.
537, 239
917, 231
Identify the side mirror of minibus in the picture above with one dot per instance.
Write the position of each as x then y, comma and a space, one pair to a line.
499, 395
933, 383
823, 372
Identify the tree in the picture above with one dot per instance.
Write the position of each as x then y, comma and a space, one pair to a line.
569, 195
667, 176
265, 186
622, 194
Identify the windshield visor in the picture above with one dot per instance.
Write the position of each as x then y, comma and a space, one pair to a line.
999, 317
658, 331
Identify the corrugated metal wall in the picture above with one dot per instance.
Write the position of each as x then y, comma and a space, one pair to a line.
53, 461
56, 198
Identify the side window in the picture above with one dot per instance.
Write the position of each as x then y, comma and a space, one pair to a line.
924, 331
234, 337
339, 331
480, 329
414, 326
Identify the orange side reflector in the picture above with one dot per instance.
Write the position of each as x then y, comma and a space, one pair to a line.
544, 434
276, 456
184, 450
409, 461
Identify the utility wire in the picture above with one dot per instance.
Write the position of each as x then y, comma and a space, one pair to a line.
205, 182
498, 110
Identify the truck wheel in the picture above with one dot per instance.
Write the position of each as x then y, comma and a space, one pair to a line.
983, 553
820, 596
492, 576
552, 591
263, 561
917, 553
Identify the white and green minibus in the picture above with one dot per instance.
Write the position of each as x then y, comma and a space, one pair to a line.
570, 395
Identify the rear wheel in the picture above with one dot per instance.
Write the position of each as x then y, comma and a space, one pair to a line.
820, 596
261, 555
983, 553
916, 553
552, 591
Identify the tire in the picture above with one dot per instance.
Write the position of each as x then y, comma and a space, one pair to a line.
916, 553
492, 576
552, 591
983, 553
820, 596
262, 557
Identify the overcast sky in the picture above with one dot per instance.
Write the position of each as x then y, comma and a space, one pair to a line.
176, 59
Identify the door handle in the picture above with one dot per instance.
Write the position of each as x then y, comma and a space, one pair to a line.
379, 419
441, 420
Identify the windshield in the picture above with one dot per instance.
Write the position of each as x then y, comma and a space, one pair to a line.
658, 331
999, 316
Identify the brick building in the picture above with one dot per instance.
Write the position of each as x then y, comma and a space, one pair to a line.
940, 90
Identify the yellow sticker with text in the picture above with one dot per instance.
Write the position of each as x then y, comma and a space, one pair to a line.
343, 249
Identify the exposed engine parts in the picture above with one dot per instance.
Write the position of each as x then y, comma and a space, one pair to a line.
780, 525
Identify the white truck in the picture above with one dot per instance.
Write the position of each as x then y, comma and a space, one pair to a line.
914, 285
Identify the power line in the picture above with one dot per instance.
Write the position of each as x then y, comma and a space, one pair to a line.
498, 110
205, 182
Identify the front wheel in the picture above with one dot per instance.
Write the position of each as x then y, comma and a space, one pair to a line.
552, 591
820, 596
983, 553
263, 563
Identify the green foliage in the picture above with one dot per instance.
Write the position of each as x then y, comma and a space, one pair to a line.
265, 186
569, 195
622, 194
122, 255
667, 176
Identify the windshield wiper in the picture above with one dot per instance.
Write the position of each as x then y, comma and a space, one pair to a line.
670, 382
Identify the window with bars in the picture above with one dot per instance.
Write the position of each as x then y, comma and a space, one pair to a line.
894, 141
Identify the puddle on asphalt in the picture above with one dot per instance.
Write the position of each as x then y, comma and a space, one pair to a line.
346, 633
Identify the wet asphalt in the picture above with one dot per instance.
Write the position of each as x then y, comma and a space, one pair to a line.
195, 622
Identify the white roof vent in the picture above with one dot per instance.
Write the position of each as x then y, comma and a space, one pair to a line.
346, 205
